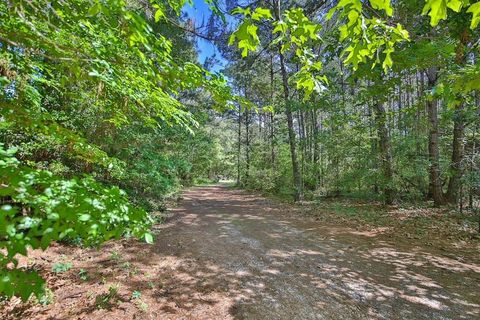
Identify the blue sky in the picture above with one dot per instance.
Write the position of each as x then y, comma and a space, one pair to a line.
200, 12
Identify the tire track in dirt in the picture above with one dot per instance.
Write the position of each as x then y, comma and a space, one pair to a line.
274, 265
228, 254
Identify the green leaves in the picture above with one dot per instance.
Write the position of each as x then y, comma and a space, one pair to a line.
246, 33
298, 34
148, 238
455, 5
368, 38
295, 33
61, 267
95, 9
296, 30
438, 10
77, 78
382, 5
84, 217
261, 13
57, 209
475, 10
14, 282
159, 14
309, 81
257, 15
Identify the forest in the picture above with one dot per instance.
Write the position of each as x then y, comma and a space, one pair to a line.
111, 109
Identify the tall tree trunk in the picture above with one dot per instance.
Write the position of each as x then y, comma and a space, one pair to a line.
239, 140
321, 155
385, 152
400, 111
272, 138
373, 150
457, 156
456, 171
433, 146
316, 151
302, 143
247, 145
297, 179
272, 116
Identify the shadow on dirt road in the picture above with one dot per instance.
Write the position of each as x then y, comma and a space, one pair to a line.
235, 255
227, 254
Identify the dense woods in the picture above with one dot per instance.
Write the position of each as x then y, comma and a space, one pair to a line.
407, 133
106, 110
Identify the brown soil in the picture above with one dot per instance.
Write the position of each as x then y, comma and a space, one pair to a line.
226, 254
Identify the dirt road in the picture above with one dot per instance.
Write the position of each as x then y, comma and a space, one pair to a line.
227, 254
240, 256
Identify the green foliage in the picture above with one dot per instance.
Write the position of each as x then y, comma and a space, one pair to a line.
43, 208
92, 96
61, 267
47, 297
438, 10
474, 9
101, 96
368, 38
296, 33
142, 305
246, 33
299, 34
14, 282
136, 295
104, 300
83, 275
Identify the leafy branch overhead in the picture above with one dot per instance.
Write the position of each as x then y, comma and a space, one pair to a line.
295, 34
246, 33
367, 37
438, 10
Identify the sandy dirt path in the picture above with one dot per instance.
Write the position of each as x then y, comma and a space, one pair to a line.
243, 257
227, 254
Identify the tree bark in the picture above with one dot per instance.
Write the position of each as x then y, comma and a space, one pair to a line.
433, 146
385, 152
272, 116
456, 170
297, 179
247, 146
457, 156
239, 147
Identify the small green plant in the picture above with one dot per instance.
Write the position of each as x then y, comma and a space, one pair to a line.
143, 306
46, 298
102, 301
83, 274
61, 267
74, 241
115, 255
131, 270
136, 294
